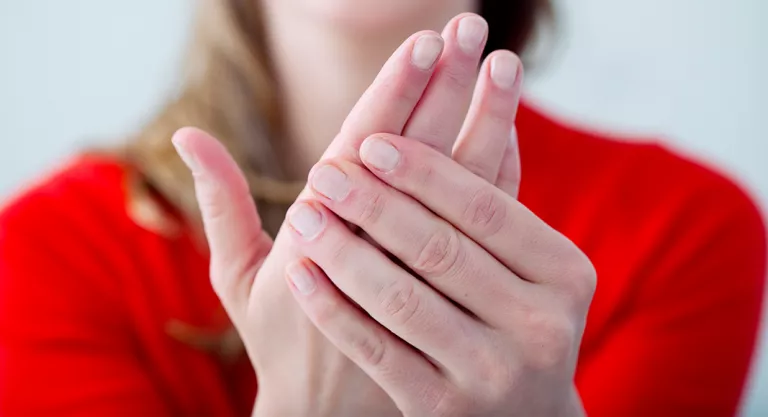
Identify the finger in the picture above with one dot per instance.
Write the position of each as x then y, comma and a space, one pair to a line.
509, 176
485, 136
450, 262
437, 118
402, 372
391, 296
496, 221
389, 101
232, 225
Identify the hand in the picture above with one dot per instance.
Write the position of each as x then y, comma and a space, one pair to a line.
494, 327
486, 317
299, 372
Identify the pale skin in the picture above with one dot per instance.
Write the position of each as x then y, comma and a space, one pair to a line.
470, 305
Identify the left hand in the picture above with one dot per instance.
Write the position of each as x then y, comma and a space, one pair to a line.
486, 316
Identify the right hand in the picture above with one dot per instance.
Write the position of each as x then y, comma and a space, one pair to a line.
300, 372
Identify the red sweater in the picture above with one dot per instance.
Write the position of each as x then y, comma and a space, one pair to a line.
86, 294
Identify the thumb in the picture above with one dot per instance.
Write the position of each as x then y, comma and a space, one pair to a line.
238, 245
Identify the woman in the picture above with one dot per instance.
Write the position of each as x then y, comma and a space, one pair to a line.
464, 292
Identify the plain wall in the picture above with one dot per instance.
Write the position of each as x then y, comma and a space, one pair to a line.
79, 73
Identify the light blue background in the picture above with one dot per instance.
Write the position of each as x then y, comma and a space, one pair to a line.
76, 73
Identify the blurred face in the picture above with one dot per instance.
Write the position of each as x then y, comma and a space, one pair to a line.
367, 15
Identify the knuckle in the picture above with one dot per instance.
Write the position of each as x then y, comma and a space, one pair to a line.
585, 275
401, 90
486, 212
580, 276
326, 312
214, 198
339, 253
441, 254
400, 302
369, 350
493, 376
457, 77
372, 205
445, 402
478, 167
422, 175
498, 115
550, 341
212, 206
229, 275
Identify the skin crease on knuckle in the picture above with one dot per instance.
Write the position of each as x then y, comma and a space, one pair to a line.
418, 170
211, 199
368, 349
452, 403
336, 247
371, 205
459, 77
326, 310
442, 254
400, 302
485, 213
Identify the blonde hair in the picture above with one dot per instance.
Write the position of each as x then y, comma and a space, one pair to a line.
229, 90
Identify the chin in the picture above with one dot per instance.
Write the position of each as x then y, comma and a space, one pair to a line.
371, 15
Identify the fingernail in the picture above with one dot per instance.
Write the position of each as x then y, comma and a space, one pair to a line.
379, 153
189, 160
471, 33
504, 69
426, 50
306, 220
301, 278
330, 182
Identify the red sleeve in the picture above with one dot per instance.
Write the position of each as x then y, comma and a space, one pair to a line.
683, 346
65, 344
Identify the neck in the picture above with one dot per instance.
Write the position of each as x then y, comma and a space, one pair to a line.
323, 68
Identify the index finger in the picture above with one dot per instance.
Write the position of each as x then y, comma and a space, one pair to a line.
388, 103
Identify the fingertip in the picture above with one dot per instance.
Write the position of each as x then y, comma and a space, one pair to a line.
378, 152
505, 69
306, 220
453, 24
426, 32
190, 143
188, 137
470, 31
186, 153
207, 157
426, 50
181, 135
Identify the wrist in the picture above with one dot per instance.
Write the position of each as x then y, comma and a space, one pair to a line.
271, 406
270, 403
285, 403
